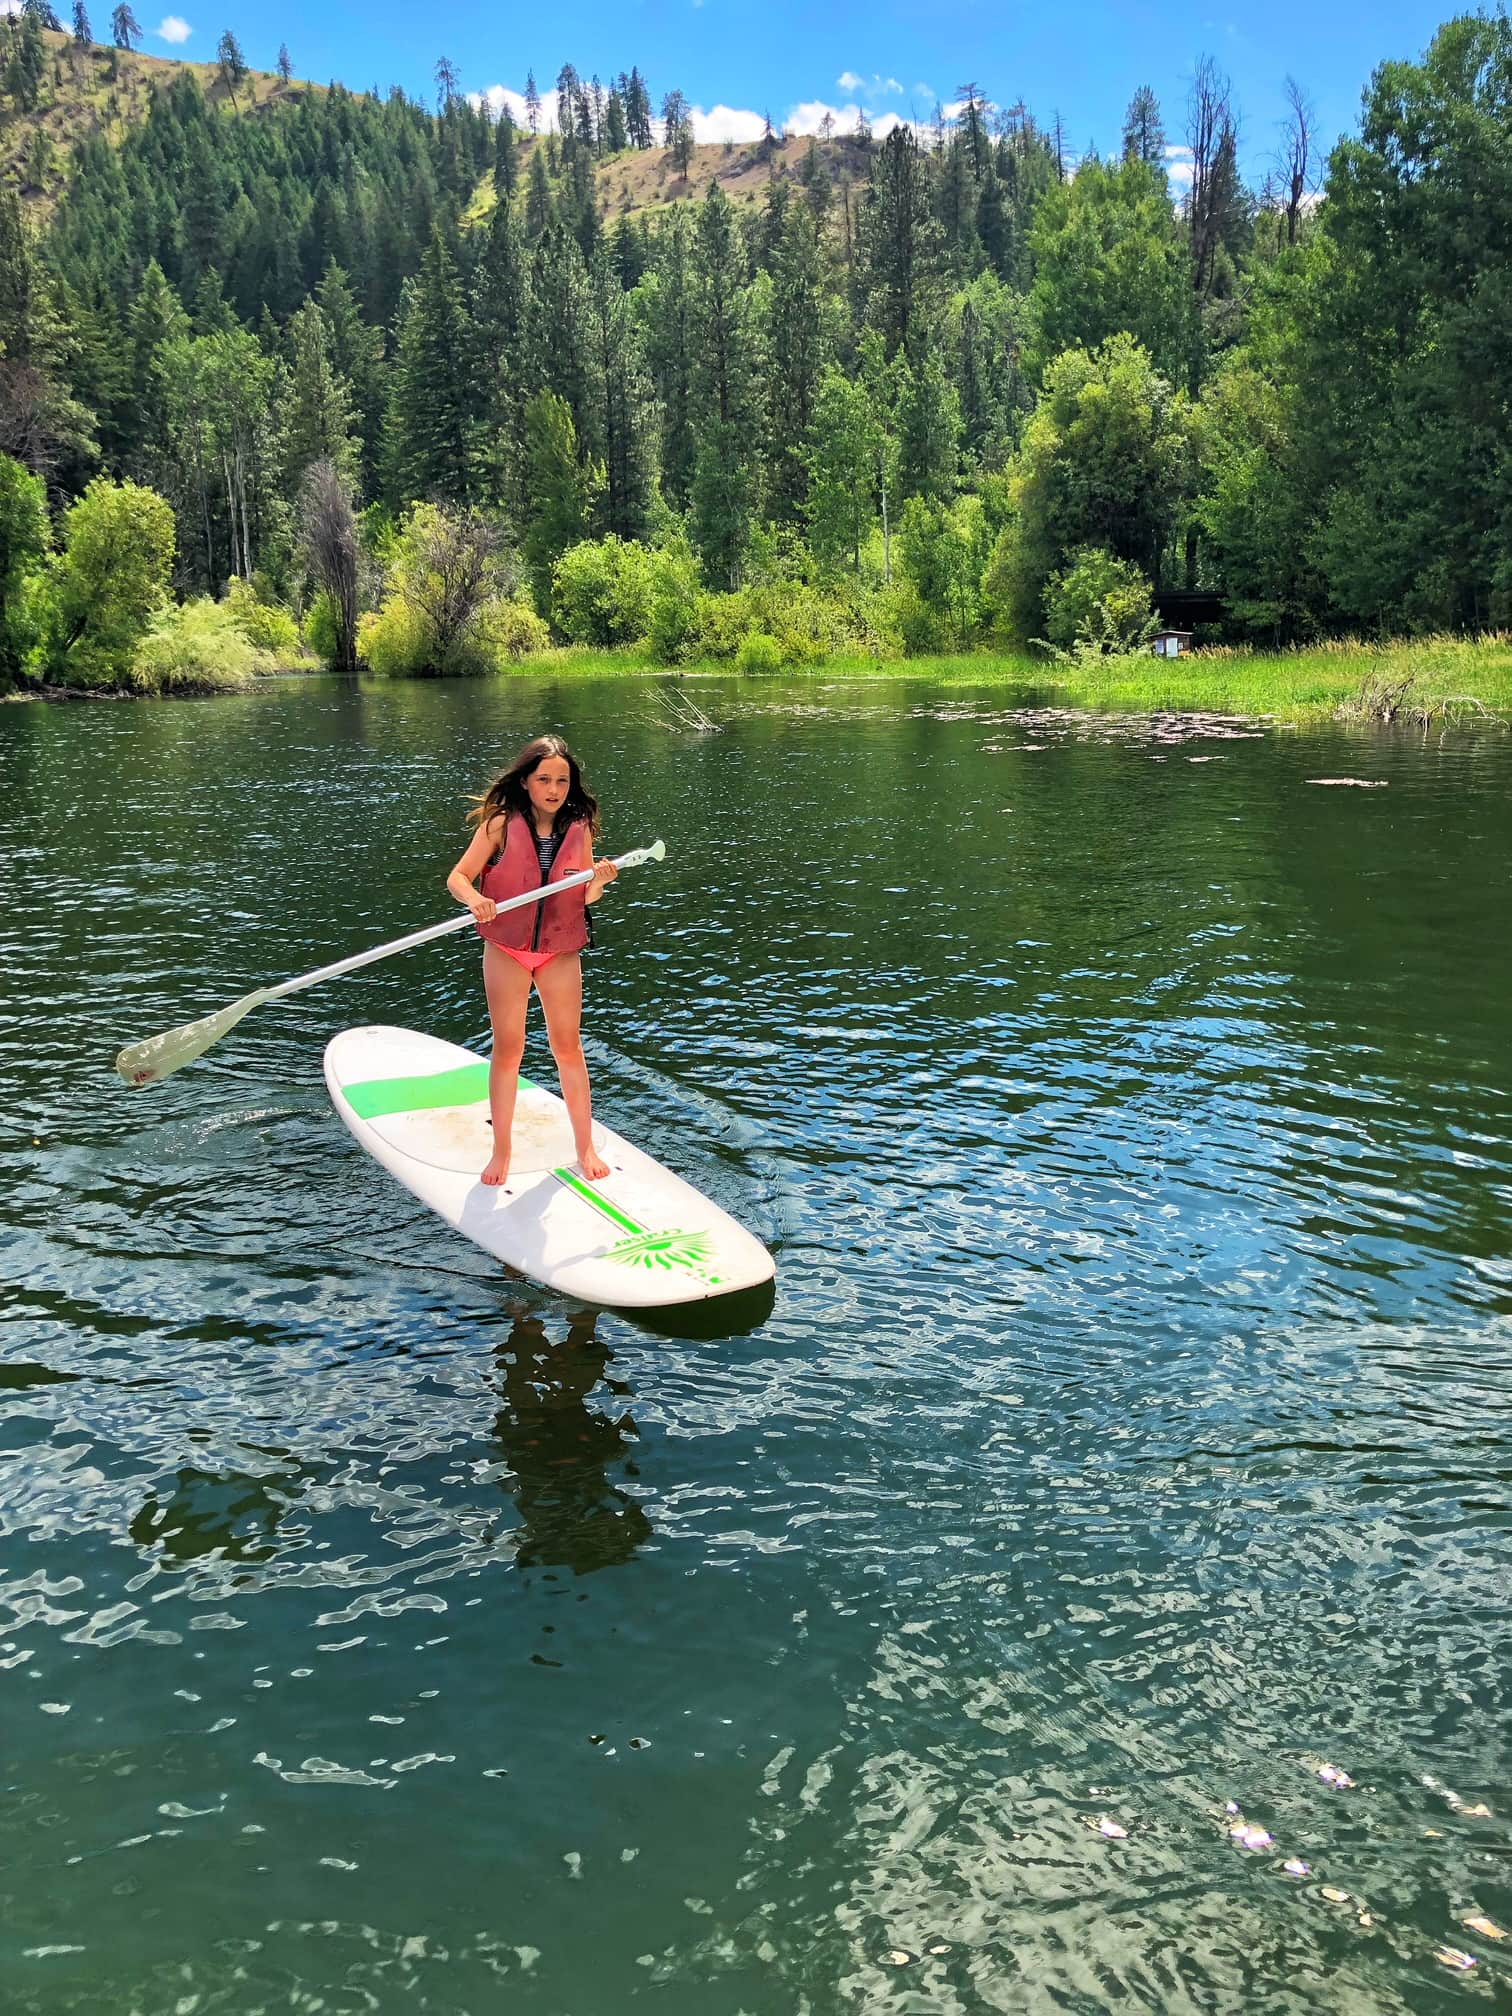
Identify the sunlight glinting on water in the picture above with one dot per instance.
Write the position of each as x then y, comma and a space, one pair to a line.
994, 1626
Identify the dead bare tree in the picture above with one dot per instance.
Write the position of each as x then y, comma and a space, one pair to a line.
1212, 135
1298, 141
328, 534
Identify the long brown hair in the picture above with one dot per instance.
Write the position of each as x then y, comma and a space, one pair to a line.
507, 792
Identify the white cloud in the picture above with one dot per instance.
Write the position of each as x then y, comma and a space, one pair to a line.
719, 123
1178, 162
809, 117
497, 96
877, 84
173, 28
725, 122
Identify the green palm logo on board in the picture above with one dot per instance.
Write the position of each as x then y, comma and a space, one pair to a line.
662, 1249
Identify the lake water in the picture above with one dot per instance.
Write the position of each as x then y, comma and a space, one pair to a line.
1132, 1122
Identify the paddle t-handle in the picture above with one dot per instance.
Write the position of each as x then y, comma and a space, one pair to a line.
154, 1057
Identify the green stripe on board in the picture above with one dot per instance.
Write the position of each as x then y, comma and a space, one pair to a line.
597, 1199
463, 1085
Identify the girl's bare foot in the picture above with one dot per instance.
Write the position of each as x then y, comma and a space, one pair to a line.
497, 1170
591, 1163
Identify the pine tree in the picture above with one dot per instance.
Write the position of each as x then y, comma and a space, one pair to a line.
538, 204
22, 285
616, 137
357, 357
637, 110
28, 63
319, 418
431, 430
502, 321
619, 394
724, 482
929, 432
897, 240
1143, 134
567, 110
671, 342
677, 131
556, 343
285, 67
156, 319
994, 226
561, 488
506, 163
630, 251
230, 63
794, 357
39, 158
125, 29
532, 104
83, 35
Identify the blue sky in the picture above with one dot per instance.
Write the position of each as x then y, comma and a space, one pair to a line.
735, 59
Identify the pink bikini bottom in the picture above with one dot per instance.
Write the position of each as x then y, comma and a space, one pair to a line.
531, 961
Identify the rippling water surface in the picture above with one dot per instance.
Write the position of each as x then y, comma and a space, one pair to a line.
1128, 1441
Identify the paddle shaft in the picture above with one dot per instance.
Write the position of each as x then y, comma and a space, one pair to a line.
631, 860
146, 1062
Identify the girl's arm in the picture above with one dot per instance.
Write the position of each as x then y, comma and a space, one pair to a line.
481, 850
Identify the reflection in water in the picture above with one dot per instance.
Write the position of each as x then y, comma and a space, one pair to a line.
561, 1450
235, 1518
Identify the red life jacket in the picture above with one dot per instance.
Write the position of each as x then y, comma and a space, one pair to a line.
556, 923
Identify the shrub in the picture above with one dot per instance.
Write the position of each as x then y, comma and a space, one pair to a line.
921, 628
196, 647
448, 578
24, 539
942, 551
264, 625
321, 630
672, 619
722, 622
110, 582
758, 653
1098, 600
602, 591
392, 641
511, 630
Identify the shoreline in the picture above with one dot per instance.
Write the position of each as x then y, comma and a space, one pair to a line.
1431, 682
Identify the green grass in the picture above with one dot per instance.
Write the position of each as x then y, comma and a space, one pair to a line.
1348, 679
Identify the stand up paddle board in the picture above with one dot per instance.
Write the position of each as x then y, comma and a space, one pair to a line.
640, 1238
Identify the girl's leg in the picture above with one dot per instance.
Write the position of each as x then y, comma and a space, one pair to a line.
560, 986
507, 985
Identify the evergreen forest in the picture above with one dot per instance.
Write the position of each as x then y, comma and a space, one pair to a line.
289, 369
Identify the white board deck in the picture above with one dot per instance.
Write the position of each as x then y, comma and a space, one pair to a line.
640, 1238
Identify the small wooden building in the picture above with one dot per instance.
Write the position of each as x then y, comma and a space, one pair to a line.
1171, 643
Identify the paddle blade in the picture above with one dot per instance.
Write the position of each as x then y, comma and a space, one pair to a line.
154, 1057
657, 851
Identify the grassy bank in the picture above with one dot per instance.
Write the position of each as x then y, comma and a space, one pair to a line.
1402, 681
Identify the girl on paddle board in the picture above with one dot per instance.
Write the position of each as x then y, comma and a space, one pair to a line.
535, 825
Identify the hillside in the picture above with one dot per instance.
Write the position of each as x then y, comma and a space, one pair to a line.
101, 91
106, 91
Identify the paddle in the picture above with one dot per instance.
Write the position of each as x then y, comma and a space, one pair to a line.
155, 1056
